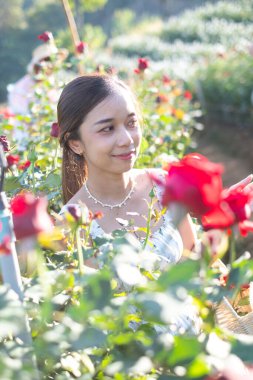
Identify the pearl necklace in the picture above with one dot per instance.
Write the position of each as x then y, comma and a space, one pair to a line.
129, 195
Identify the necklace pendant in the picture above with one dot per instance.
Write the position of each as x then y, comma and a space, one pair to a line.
96, 201
111, 207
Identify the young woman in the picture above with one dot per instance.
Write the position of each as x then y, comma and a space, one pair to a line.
100, 133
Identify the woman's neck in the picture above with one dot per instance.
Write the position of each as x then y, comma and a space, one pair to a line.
111, 188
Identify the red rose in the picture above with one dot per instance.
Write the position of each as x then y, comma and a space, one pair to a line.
194, 182
45, 37
5, 143
188, 95
55, 130
30, 215
236, 203
220, 217
81, 47
143, 64
245, 227
12, 159
166, 79
25, 165
239, 201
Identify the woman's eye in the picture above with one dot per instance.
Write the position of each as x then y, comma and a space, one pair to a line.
132, 123
107, 129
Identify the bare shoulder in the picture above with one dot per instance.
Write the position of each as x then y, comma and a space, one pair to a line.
143, 177
78, 198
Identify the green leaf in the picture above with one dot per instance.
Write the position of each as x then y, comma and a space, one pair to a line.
11, 184
89, 338
185, 350
179, 274
159, 307
199, 367
53, 180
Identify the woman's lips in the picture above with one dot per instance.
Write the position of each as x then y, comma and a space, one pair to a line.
125, 156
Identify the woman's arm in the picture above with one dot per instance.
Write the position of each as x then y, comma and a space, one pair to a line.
188, 232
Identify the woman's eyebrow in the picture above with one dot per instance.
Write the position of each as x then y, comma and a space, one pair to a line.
104, 121
109, 120
131, 114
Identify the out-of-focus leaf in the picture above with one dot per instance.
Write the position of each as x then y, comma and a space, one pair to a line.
53, 180
90, 337
12, 317
185, 349
179, 274
243, 347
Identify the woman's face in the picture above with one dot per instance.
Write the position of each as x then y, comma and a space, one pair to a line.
110, 135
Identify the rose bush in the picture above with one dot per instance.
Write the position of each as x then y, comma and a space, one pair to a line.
196, 183
116, 322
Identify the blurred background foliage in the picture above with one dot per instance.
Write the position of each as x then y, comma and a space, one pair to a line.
206, 44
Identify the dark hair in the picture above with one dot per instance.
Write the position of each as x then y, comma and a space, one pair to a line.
77, 99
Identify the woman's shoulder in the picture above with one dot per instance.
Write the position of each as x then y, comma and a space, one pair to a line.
149, 172
77, 198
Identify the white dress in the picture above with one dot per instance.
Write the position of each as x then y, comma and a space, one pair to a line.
167, 245
166, 242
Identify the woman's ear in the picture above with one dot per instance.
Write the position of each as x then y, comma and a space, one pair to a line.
76, 146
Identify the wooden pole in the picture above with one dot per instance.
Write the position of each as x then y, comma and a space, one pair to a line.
73, 30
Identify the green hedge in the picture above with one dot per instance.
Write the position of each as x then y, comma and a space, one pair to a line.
225, 87
156, 49
190, 29
237, 11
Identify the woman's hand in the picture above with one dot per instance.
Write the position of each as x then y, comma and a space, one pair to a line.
244, 183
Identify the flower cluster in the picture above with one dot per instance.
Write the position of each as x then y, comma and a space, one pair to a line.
196, 183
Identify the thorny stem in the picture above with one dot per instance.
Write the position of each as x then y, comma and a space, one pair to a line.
79, 251
232, 253
150, 209
33, 178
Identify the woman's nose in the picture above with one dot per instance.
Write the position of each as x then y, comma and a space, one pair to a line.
125, 137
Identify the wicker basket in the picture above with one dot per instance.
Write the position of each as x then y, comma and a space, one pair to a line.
228, 318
